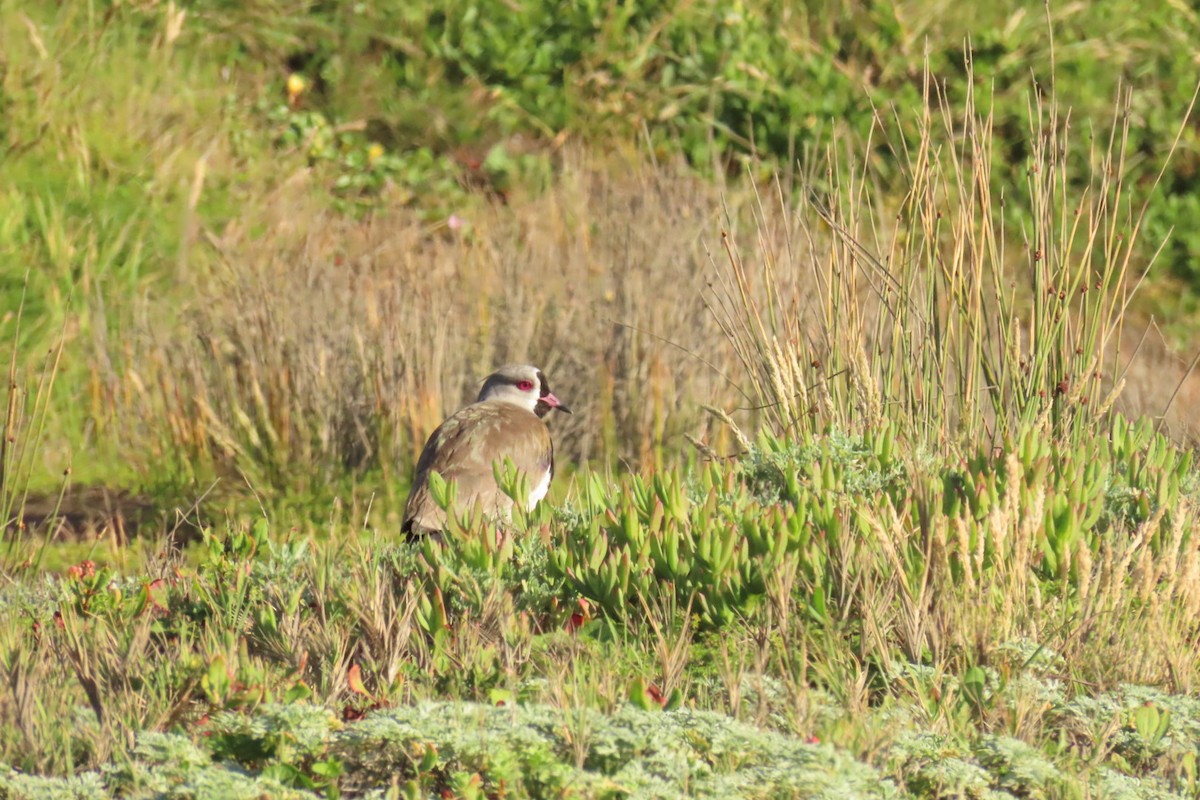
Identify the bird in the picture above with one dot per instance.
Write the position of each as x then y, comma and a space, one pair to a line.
507, 420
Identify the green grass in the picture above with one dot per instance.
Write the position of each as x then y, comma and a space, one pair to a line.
959, 651
874, 486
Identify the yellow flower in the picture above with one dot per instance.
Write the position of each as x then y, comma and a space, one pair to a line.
374, 151
295, 86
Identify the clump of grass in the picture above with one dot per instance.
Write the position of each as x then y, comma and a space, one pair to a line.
26, 410
931, 564
931, 317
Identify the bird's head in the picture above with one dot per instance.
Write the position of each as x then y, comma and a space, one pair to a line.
522, 385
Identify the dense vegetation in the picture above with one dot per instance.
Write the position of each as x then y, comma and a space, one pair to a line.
876, 485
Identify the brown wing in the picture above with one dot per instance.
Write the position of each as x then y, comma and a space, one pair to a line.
464, 448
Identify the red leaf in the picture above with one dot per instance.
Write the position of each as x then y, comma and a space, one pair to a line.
579, 617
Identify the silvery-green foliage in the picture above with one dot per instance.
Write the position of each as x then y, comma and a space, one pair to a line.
17, 786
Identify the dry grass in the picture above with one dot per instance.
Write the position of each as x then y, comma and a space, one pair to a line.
324, 344
939, 312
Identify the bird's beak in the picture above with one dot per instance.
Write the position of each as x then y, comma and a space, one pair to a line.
549, 399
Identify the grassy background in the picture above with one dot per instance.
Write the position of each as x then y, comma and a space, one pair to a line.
167, 214
852, 315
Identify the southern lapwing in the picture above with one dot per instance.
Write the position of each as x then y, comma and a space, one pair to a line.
504, 422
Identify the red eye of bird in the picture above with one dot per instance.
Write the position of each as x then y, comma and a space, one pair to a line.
525, 386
